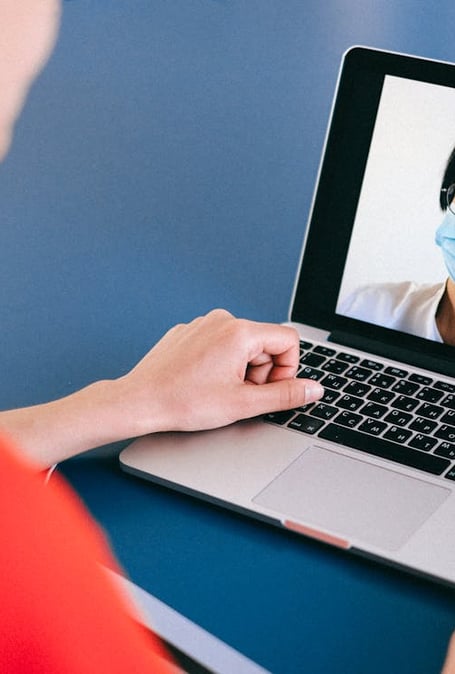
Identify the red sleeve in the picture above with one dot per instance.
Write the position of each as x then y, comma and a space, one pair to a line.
59, 611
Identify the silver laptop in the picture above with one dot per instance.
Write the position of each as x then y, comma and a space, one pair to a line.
371, 467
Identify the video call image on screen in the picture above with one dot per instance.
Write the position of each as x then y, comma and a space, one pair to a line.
395, 274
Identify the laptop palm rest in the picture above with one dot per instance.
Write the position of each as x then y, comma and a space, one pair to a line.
359, 500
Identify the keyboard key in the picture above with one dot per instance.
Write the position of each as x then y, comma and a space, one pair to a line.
396, 372
351, 403
405, 387
422, 425
382, 380
348, 357
430, 411
446, 449
323, 411
312, 359
305, 345
451, 474
356, 388
329, 396
381, 395
423, 442
445, 386
358, 373
306, 424
305, 408
385, 449
373, 426
448, 418
334, 381
371, 364
449, 401
398, 417
445, 433
374, 410
348, 419
279, 417
324, 351
430, 395
335, 366
420, 379
397, 434
405, 403
310, 373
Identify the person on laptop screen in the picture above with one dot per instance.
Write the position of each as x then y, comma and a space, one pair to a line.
424, 310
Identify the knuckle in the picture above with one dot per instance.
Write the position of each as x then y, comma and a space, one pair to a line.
240, 330
219, 313
176, 328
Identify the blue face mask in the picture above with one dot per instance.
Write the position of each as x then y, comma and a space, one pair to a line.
445, 238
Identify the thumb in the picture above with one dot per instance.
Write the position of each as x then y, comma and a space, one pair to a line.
281, 395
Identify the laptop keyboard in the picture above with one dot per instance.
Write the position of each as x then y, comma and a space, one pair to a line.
382, 410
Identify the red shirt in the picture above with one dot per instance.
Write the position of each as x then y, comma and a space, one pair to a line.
59, 612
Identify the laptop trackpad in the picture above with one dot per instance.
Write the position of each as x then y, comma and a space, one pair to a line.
349, 497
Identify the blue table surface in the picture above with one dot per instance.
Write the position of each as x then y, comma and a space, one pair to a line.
165, 165
288, 603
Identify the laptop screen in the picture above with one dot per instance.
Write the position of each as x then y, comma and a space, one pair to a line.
395, 274
373, 266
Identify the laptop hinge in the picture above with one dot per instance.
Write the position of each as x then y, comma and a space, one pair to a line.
393, 352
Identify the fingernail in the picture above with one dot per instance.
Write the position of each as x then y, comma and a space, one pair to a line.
314, 391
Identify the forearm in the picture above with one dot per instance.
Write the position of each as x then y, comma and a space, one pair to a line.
54, 431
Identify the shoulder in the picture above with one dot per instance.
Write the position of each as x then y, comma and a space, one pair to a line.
407, 306
391, 296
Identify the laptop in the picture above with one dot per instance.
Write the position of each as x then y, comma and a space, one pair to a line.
371, 467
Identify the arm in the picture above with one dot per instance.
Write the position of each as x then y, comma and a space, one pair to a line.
208, 373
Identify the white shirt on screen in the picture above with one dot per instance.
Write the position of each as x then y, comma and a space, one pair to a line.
406, 306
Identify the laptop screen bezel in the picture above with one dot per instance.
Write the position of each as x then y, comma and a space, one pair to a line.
337, 194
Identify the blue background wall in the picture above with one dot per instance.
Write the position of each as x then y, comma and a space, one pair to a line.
165, 165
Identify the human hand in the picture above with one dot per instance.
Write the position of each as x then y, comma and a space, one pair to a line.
209, 373
214, 371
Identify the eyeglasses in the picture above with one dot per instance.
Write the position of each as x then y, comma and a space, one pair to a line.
450, 197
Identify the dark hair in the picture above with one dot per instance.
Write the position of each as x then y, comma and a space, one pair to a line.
448, 180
